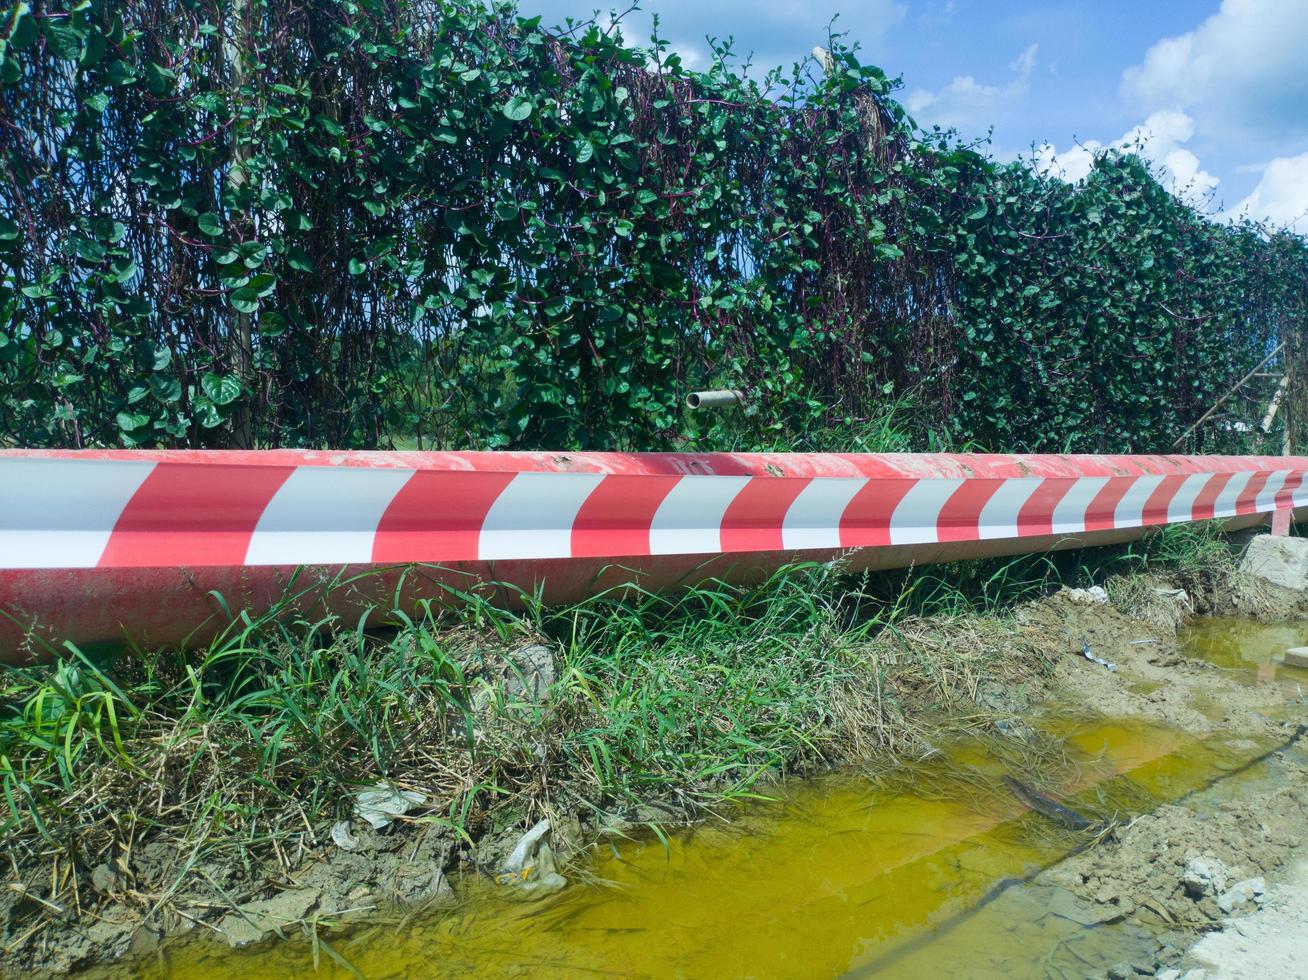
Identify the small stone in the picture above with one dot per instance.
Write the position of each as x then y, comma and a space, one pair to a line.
1093, 596
1203, 876
1121, 971
1170, 974
1241, 893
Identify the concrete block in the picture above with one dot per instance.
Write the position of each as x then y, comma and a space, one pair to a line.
1280, 561
1297, 657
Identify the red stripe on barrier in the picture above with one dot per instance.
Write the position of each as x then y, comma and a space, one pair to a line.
192, 515
866, 520
960, 517
1101, 514
616, 517
1205, 505
1285, 496
1155, 508
755, 517
1247, 502
1037, 514
437, 516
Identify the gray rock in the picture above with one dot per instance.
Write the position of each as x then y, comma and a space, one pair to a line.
1203, 876
1093, 596
1240, 894
1280, 561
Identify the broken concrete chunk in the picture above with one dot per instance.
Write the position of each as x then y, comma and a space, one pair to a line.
384, 802
1282, 561
1296, 657
1203, 875
1092, 596
1240, 894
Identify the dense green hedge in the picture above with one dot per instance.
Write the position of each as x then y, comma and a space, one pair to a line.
351, 222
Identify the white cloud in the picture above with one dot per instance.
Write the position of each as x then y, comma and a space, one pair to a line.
1157, 139
1281, 197
1239, 73
965, 102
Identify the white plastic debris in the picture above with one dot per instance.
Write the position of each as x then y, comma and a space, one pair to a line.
1085, 652
384, 802
529, 867
342, 837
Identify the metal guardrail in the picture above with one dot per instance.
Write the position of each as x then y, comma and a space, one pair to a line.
96, 545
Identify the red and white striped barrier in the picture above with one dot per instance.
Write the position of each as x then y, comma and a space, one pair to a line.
96, 545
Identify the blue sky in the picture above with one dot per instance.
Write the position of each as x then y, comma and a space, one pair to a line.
1217, 89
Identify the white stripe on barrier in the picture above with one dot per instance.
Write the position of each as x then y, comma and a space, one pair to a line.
1069, 513
1181, 506
59, 513
533, 516
324, 515
813, 518
915, 517
1266, 499
1130, 509
1224, 505
999, 515
689, 521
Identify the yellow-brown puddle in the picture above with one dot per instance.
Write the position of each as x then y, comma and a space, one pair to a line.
1251, 650
842, 874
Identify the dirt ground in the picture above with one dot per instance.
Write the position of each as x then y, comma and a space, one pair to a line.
1180, 870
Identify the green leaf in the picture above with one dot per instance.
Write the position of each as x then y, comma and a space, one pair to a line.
165, 388
131, 422
209, 224
244, 300
162, 357
222, 389
518, 108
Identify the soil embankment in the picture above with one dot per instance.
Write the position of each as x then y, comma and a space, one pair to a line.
1115, 652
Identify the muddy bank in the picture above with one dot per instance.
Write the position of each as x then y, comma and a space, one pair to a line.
1186, 869
1266, 943
995, 674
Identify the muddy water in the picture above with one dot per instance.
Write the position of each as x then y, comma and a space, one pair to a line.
1250, 651
840, 875
923, 873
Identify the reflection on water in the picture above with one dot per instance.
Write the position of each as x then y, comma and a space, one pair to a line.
841, 875
1252, 650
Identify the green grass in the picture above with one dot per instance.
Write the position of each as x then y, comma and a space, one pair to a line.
695, 698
